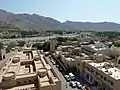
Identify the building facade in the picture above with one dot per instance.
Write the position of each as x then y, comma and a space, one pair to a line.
105, 76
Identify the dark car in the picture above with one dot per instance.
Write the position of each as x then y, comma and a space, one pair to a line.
60, 69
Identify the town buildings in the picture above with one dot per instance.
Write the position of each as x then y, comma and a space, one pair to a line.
101, 69
29, 70
104, 75
96, 63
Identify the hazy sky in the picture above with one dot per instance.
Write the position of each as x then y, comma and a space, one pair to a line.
73, 10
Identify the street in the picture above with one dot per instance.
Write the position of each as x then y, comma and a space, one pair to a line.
7, 56
63, 81
4, 62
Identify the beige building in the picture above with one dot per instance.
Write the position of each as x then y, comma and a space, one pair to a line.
29, 70
105, 76
67, 59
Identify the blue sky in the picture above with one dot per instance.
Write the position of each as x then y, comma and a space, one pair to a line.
72, 10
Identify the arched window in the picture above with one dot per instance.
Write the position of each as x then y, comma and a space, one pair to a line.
19, 82
29, 80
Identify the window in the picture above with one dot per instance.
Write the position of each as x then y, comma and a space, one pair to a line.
18, 82
97, 73
92, 71
104, 78
101, 76
3, 79
29, 80
119, 62
111, 83
21, 63
88, 68
108, 80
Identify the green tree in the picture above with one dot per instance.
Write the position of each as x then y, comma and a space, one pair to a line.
91, 42
109, 45
42, 46
46, 46
1, 45
117, 44
9, 47
72, 39
61, 39
21, 43
38, 46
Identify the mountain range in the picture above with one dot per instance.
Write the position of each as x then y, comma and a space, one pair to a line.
35, 21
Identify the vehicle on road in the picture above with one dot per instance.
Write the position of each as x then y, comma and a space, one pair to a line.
67, 78
73, 84
53, 62
79, 86
83, 87
60, 69
72, 76
66, 85
57, 66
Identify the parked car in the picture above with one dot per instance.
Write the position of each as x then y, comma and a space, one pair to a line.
72, 76
60, 69
57, 66
67, 78
78, 85
53, 62
83, 87
73, 84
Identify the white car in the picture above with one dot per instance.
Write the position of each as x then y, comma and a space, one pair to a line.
72, 76
72, 84
83, 87
57, 66
67, 77
78, 85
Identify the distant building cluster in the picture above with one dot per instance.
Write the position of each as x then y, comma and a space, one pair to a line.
96, 62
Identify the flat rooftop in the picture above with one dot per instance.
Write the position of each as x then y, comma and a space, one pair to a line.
113, 72
30, 87
98, 64
104, 67
84, 55
70, 59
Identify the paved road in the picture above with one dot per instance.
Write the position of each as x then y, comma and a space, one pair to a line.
64, 82
4, 61
7, 56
